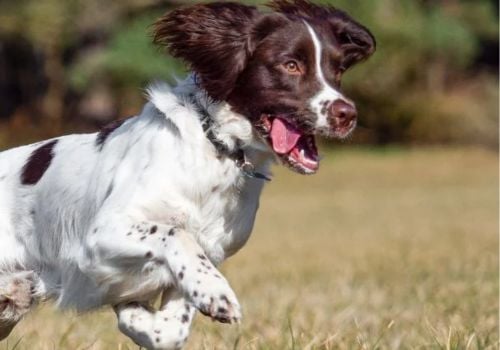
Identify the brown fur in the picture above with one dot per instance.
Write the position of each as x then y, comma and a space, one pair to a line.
214, 39
236, 52
38, 163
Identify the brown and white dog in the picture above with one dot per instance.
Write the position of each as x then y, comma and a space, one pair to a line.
152, 204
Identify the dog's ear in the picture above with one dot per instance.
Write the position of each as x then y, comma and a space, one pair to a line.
354, 39
214, 39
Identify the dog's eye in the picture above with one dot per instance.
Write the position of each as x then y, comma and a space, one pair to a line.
292, 67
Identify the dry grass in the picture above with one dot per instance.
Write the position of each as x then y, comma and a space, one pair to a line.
381, 249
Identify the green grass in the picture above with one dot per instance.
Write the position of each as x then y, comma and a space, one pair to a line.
380, 250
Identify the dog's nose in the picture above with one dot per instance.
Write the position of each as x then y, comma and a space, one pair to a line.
342, 113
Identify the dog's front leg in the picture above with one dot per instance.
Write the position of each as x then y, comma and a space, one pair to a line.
159, 250
199, 280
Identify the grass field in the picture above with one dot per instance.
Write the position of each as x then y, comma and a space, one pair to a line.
382, 249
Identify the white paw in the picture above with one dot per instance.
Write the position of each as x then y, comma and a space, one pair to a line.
215, 298
156, 330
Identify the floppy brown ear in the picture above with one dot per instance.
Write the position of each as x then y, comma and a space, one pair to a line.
213, 39
355, 40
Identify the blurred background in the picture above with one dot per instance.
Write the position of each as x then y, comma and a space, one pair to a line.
393, 244
76, 64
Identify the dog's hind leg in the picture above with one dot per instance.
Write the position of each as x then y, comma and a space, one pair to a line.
16, 298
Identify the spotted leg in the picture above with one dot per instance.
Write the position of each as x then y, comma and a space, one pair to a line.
201, 282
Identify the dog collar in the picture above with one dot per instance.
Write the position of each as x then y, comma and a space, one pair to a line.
238, 155
246, 167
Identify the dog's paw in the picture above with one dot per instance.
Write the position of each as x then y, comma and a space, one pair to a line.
164, 329
217, 301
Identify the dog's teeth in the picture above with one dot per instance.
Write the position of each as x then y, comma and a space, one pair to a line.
302, 153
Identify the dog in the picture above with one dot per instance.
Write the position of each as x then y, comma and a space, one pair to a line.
150, 205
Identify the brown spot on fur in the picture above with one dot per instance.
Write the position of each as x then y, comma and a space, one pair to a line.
38, 163
103, 135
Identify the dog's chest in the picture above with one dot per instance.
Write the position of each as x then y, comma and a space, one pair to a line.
226, 210
226, 217
215, 202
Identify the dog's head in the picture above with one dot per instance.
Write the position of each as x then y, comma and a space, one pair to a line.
280, 69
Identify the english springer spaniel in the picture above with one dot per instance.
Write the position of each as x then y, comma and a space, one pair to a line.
150, 205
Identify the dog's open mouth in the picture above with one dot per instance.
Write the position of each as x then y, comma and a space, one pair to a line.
293, 147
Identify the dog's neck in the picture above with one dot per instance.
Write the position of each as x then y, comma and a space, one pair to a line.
231, 133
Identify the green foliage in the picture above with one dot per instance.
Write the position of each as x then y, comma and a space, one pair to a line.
47, 22
131, 51
130, 59
481, 17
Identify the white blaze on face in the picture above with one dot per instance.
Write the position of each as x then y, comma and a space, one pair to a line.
320, 102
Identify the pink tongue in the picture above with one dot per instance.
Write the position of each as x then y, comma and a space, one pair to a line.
284, 136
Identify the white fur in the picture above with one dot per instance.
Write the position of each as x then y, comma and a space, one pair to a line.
81, 228
327, 93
